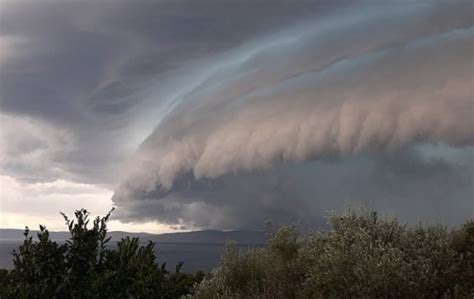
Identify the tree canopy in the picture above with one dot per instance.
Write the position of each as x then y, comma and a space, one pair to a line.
85, 267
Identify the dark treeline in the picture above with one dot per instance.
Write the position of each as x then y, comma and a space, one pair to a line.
361, 256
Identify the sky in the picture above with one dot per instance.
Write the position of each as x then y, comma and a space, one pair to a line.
217, 114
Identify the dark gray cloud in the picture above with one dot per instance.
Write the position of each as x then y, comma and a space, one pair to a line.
245, 110
409, 183
91, 55
363, 87
87, 66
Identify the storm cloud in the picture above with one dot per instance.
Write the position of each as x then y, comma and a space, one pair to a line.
100, 71
331, 110
225, 114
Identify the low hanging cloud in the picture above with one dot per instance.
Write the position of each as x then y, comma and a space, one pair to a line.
410, 183
335, 109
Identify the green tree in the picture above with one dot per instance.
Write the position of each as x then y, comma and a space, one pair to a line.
85, 267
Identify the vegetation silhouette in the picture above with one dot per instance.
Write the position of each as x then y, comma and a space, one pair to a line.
361, 256
84, 267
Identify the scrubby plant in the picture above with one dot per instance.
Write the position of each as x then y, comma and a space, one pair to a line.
361, 256
85, 267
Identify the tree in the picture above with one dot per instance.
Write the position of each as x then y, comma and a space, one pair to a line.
85, 266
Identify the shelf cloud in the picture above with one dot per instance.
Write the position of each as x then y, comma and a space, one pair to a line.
367, 103
225, 114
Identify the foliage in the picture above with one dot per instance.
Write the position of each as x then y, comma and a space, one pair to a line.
84, 267
362, 256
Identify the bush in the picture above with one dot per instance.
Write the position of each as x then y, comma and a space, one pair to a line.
362, 256
84, 267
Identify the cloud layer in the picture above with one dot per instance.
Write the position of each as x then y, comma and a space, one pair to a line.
349, 96
85, 67
245, 110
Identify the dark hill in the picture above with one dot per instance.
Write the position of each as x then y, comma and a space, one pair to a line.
203, 236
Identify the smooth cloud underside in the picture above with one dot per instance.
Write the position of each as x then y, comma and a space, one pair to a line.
349, 107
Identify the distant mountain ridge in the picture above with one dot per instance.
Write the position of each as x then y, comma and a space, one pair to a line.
243, 237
